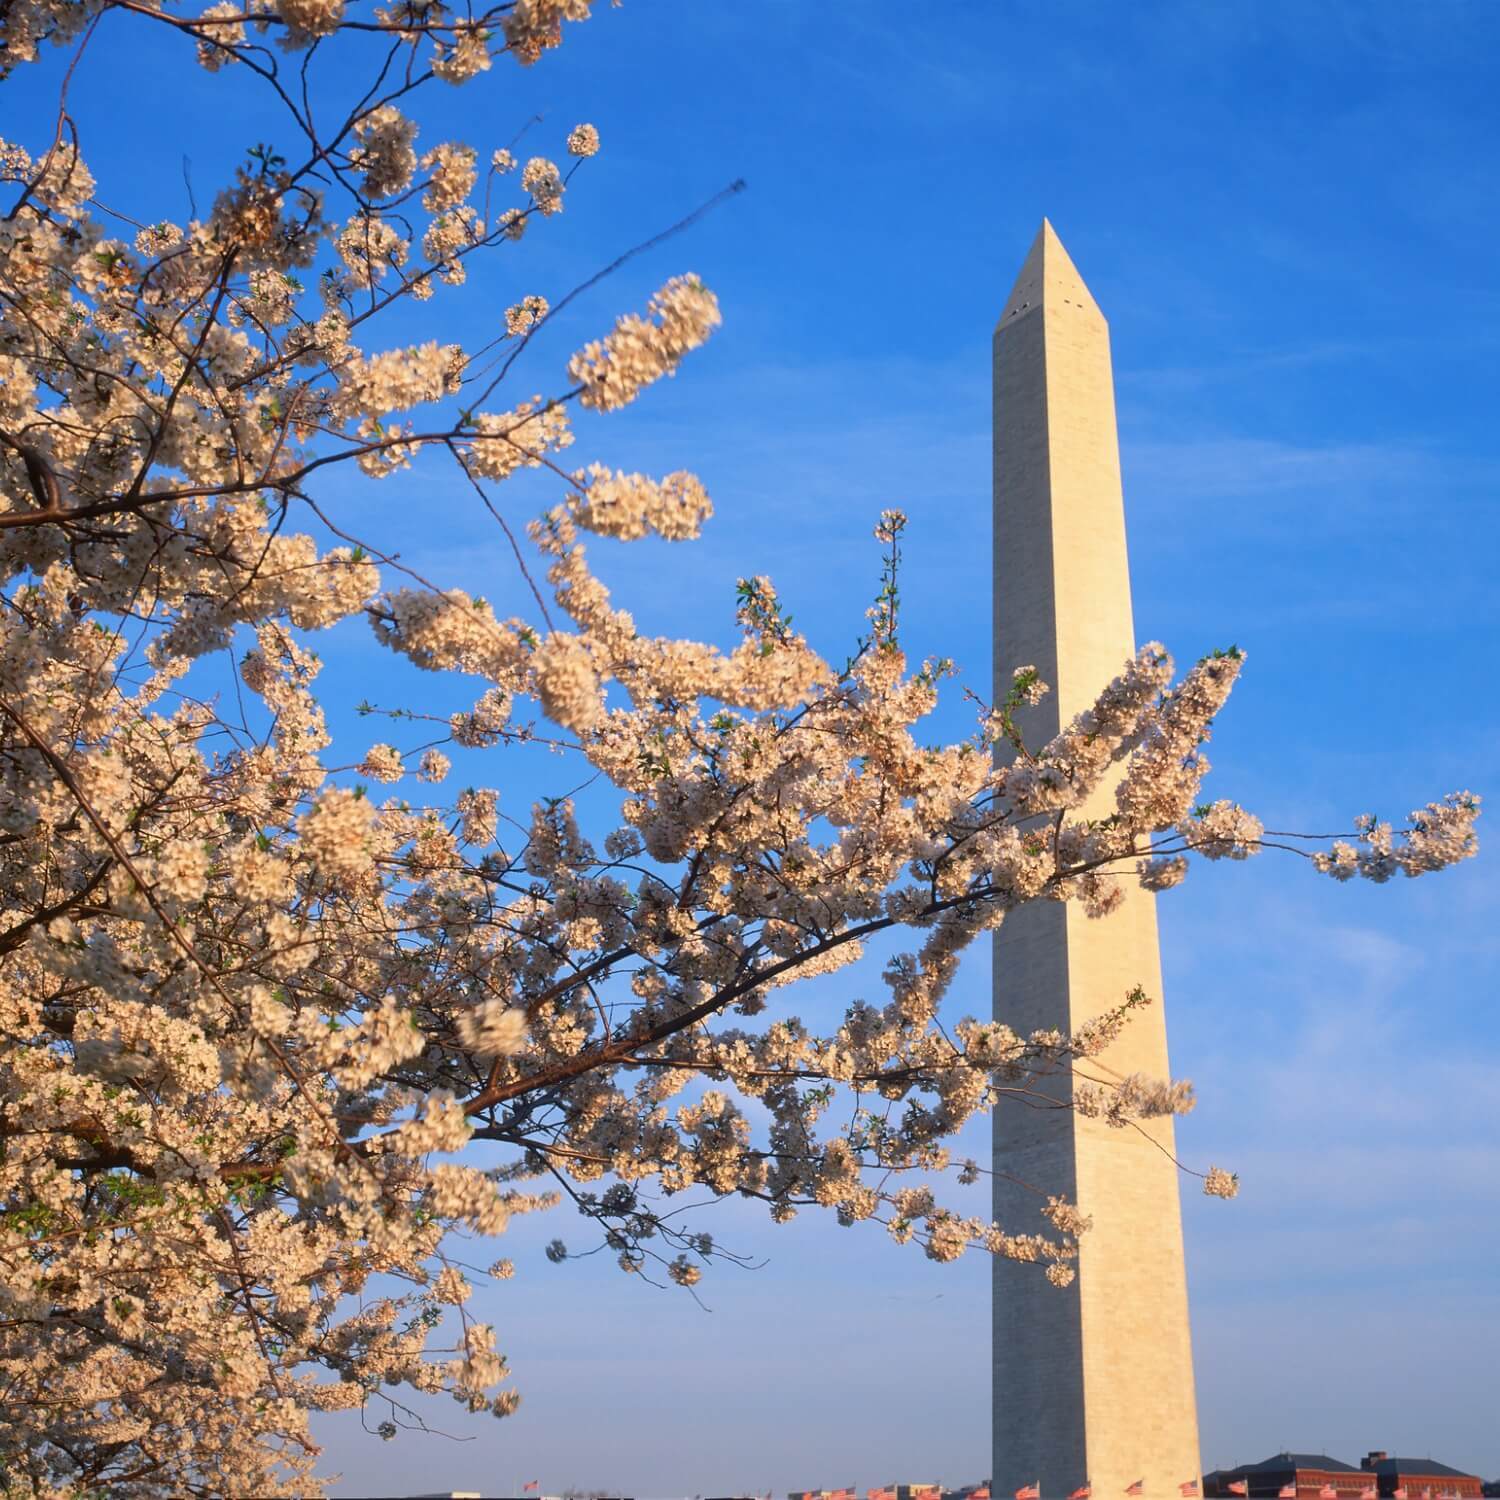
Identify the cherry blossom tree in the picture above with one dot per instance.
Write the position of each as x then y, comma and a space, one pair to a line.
280, 1050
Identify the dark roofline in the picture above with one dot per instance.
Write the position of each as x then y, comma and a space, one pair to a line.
1420, 1466
1284, 1463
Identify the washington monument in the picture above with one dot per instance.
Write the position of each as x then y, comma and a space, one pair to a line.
1094, 1382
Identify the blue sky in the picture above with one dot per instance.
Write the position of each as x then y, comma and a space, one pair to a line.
1288, 214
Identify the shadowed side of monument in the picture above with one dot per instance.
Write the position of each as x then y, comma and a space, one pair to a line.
1093, 1382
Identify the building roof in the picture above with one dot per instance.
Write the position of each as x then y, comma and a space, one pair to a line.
1280, 1463
1418, 1466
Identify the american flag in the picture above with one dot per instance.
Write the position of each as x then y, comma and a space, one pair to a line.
1239, 1487
1138, 1488
532, 1484
1083, 1492
1032, 1491
1187, 1488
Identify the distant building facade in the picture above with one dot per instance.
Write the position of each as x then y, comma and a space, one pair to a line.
1316, 1476
1305, 1474
1419, 1475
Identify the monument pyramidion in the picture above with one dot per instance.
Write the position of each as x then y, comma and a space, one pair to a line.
1093, 1383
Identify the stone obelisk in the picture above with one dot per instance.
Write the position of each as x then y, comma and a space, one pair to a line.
1093, 1383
